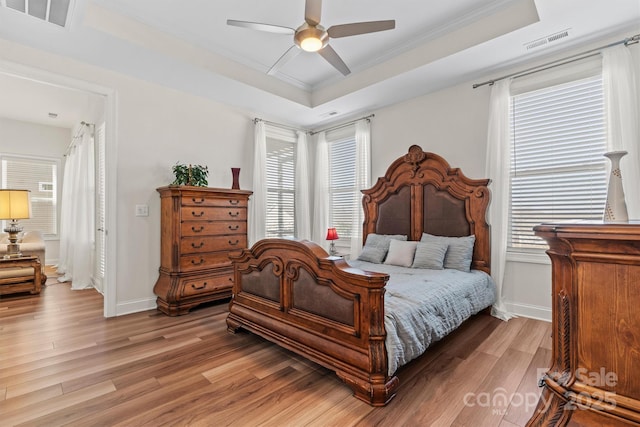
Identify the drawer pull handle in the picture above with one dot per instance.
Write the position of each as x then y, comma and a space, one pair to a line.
234, 227
234, 202
234, 215
194, 246
193, 199
198, 230
198, 287
197, 215
234, 243
194, 262
230, 279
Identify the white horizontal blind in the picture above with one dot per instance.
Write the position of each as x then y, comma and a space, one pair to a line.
40, 176
281, 160
342, 185
558, 171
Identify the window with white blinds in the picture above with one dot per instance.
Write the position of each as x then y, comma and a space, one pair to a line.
40, 176
342, 184
558, 171
281, 163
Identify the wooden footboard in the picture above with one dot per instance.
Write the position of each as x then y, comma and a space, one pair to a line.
294, 294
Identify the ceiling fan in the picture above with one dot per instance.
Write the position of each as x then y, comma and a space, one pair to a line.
312, 37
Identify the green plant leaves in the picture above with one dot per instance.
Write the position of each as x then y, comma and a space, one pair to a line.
195, 175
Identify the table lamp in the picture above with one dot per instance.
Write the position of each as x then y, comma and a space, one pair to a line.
14, 205
332, 235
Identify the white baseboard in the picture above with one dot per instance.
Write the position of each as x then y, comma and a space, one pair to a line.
135, 306
531, 311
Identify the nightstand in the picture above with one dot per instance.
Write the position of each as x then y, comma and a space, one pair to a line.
20, 275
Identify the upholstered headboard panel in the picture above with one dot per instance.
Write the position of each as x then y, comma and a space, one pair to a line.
421, 193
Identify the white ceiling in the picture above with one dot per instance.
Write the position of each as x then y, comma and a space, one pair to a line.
188, 46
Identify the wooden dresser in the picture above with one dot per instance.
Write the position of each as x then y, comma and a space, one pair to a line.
200, 226
594, 379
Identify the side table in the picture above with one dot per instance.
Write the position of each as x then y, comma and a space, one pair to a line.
20, 275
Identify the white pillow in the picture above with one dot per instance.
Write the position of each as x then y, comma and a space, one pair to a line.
401, 253
32, 237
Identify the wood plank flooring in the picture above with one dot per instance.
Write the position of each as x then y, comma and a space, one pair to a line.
62, 363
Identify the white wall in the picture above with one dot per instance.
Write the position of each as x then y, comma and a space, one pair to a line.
30, 139
155, 127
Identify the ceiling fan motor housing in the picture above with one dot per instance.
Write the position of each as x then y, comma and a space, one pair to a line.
311, 38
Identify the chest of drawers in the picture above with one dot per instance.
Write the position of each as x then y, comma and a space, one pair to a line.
594, 378
199, 228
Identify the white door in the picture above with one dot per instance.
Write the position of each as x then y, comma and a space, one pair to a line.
99, 252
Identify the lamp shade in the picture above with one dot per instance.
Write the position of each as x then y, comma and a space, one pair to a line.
15, 204
332, 234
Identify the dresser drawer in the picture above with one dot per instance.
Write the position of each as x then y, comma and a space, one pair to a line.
213, 213
199, 244
201, 261
207, 228
231, 202
207, 285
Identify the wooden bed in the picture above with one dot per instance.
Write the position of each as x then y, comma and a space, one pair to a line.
296, 295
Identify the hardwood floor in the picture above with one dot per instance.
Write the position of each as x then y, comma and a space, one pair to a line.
62, 363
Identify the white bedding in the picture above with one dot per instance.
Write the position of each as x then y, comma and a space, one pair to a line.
422, 306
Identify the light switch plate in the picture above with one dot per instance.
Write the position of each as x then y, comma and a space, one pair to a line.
142, 210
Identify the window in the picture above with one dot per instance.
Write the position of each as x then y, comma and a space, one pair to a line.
343, 190
40, 176
558, 171
281, 163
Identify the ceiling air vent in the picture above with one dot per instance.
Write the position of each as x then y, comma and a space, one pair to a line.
546, 40
53, 11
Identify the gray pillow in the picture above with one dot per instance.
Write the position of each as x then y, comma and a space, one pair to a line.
459, 253
376, 247
401, 253
430, 255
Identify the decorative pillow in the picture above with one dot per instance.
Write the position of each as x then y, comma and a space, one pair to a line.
377, 246
430, 254
32, 237
401, 253
459, 252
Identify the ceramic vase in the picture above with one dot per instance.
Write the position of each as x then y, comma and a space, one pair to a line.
235, 172
615, 209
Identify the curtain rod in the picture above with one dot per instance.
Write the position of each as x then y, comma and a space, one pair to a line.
280, 125
628, 41
313, 132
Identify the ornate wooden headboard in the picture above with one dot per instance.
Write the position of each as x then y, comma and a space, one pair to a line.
419, 193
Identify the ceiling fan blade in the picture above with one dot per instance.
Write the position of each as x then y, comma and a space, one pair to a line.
334, 59
356, 28
291, 53
261, 27
312, 11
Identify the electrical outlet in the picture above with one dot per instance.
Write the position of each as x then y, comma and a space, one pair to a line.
142, 210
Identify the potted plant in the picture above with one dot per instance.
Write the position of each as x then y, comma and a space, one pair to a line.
195, 175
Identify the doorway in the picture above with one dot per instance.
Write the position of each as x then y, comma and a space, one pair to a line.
75, 97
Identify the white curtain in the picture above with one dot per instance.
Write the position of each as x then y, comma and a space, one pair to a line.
258, 201
621, 97
363, 182
77, 212
497, 168
321, 192
303, 215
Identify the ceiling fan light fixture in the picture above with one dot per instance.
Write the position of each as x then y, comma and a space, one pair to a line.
311, 38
